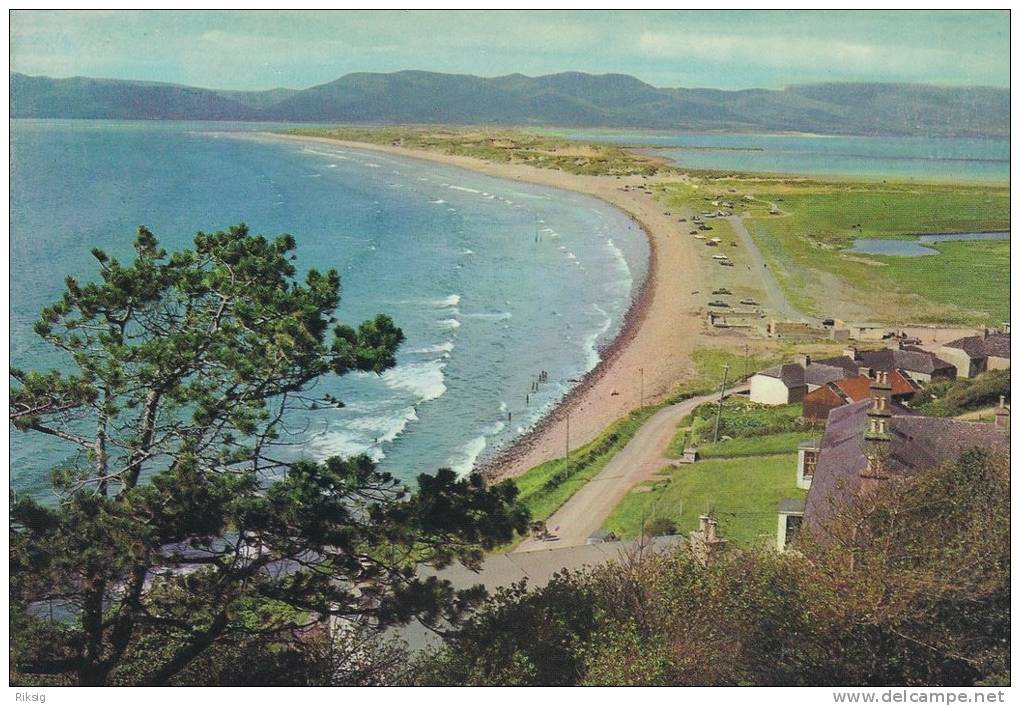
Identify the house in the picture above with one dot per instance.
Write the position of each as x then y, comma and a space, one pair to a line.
791, 516
789, 383
918, 364
783, 384
794, 330
972, 355
818, 403
867, 331
867, 442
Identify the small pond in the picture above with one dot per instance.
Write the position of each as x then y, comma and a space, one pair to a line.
914, 248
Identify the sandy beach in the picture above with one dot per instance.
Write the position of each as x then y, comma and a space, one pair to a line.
662, 328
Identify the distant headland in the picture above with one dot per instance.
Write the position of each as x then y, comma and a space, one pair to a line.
564, 99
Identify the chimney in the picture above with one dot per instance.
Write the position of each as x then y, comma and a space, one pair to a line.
1002, 416
872, 472
880, 412
705, 543
850, 352
803, 360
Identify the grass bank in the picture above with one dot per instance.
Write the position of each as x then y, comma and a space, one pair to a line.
502, 145
544, 488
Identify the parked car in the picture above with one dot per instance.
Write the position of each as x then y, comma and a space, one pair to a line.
828, 322
719, 303
721, 290
749, 302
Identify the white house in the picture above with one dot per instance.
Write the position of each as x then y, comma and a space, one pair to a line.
786, 384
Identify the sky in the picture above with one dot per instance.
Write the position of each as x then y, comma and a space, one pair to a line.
250, 50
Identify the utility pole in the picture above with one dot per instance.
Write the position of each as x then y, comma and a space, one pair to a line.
745, 360
642, 371
722, 393
568, 437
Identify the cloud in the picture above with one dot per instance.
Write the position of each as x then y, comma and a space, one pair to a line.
792, 52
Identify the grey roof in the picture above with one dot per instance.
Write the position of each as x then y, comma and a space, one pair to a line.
820, 373
848, 364
790, 374
816, 373
996, 344
910, 359
917, 443
791, 506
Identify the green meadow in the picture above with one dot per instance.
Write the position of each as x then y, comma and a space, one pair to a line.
740, 479
967, 283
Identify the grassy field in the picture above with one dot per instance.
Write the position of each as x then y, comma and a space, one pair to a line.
742, 492
502, 145
968, 283
743, 421
974, 273
740, 479
773, 444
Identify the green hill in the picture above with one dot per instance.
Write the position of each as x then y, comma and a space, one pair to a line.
564, 99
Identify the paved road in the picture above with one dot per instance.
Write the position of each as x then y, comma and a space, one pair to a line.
778, 301
638, 461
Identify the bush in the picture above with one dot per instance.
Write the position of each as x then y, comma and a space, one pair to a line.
911, 586
948, 398
660, 527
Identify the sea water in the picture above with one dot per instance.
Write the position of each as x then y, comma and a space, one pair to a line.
492, 281
893, 157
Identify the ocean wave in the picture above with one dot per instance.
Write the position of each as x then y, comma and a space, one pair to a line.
466, 455
343, 443
448, 323
444, 347
621, 261
424, 381
591, 341
467, 251
492, 316
437, 201
384, 428
452, 300
464, 188
464, 460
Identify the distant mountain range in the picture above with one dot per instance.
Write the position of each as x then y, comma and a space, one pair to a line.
566, 99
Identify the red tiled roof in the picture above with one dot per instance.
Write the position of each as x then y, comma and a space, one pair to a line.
858, 388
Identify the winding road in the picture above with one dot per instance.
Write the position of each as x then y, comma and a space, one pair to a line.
638, 461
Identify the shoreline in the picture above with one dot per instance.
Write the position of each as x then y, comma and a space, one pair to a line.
647, 336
